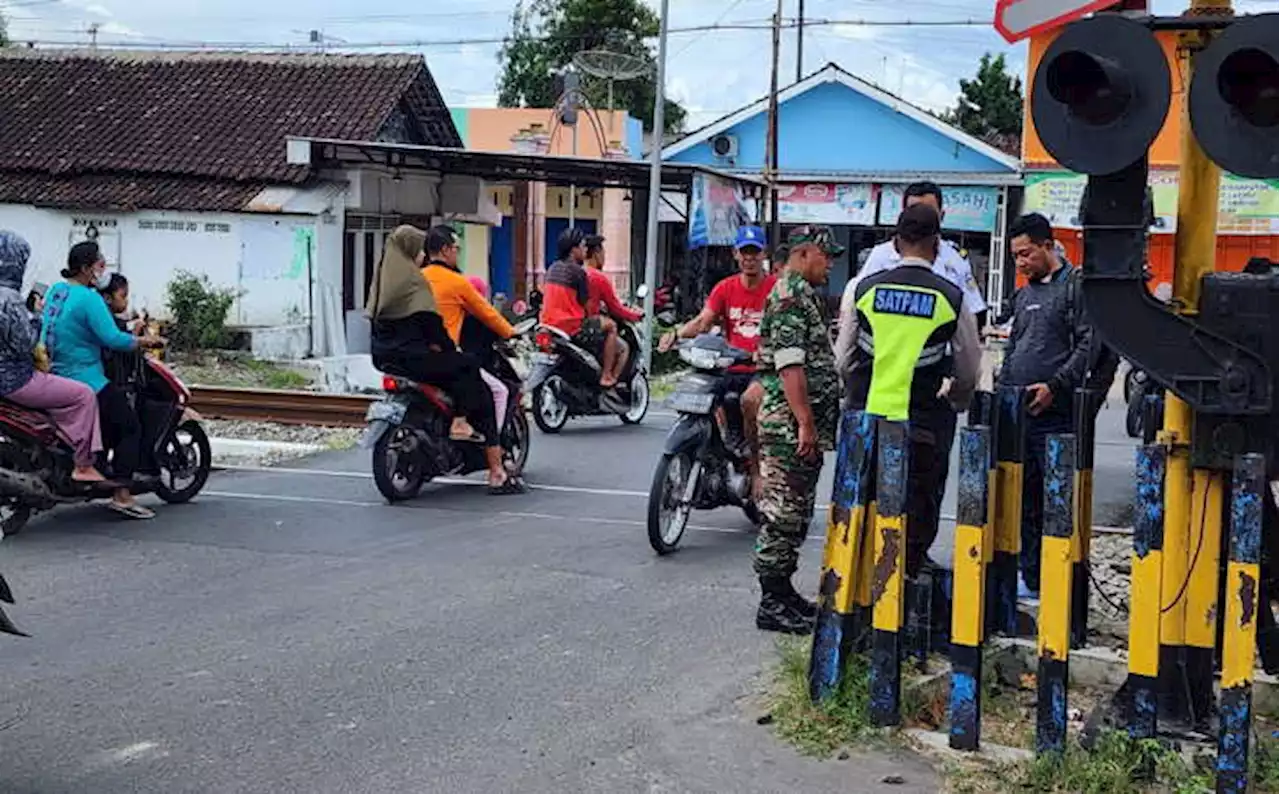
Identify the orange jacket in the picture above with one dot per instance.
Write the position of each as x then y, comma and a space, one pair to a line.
456, 298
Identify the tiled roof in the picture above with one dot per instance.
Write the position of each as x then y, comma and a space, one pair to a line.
126, 193
134, 117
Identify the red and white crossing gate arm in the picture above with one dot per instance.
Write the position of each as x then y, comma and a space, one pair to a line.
1017, 19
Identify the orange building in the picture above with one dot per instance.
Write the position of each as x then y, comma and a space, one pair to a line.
1247, 210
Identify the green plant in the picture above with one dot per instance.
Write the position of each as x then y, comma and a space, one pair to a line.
823, 728
199, 311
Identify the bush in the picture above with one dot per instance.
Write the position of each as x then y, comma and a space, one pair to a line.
199, 312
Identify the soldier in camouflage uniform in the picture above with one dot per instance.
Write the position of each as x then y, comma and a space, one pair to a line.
797, 422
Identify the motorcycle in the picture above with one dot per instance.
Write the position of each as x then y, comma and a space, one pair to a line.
565, 381
699, 468
408, 430
36, 462
1143, 416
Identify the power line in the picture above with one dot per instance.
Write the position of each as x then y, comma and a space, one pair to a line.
480, 40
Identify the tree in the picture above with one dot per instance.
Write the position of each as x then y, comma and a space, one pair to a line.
989, 106
545, 34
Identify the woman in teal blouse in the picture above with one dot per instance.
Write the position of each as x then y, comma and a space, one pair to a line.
77, 327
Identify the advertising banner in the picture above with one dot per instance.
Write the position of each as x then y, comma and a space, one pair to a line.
965, 209
831, 204
1245, 206
717, 207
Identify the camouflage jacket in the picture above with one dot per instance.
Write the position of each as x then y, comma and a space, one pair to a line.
795, 331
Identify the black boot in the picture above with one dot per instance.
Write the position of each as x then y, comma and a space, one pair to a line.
778, 611
798, 602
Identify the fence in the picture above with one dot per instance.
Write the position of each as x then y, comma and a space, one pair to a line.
863, 604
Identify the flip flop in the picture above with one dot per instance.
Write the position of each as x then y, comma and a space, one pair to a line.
135, 510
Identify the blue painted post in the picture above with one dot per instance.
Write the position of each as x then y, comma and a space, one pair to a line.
1145, 577
842, 625
1006, 504
1056, 565
1239, 630
889, 575
969, 579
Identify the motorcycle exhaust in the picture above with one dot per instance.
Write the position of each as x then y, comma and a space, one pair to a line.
24, 486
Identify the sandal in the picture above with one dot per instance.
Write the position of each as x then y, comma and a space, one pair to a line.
511, 485
132, 510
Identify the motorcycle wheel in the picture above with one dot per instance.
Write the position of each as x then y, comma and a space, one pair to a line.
398, 472
639, 400
13, 514
188, 444
550, 414
667, 519
515, 442
752, 513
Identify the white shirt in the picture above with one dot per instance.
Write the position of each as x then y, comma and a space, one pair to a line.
948, 264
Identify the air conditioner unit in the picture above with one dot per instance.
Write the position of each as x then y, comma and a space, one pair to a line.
725, 147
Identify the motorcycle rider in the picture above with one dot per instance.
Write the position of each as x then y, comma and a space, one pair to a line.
564, 305
601, 295
737, 305
408, 335
462, 307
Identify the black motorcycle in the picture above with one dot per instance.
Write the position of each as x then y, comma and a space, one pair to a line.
409, 431
699, 468
565, 381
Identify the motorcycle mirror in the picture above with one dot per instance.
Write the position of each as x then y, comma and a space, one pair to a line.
642, 291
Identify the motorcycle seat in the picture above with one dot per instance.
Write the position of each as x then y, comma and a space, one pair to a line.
37, 423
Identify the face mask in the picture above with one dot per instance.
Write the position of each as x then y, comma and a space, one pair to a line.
103, 280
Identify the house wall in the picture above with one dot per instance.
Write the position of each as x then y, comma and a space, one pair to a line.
270, 258
832, 127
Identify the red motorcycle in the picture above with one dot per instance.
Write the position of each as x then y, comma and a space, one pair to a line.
36, 462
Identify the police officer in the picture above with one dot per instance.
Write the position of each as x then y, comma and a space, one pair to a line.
909, 350
797, 421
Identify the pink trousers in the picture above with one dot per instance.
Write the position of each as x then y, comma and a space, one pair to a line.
499, 390
73, 407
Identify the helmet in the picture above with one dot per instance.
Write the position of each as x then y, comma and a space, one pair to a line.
568, 240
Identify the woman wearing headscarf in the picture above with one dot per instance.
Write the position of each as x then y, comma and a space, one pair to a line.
408, 336
69, 403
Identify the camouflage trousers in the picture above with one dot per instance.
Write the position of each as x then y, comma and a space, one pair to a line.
789, 485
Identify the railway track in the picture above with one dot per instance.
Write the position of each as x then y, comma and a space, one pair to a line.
276, 405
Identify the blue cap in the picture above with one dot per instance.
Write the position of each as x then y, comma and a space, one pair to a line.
750, 236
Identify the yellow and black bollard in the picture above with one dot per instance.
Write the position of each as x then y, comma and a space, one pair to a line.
1006, 497
1240, 624
889, 574
842, 624
1082, 514
968, 583
1144, 591
1200, 629
1056, 564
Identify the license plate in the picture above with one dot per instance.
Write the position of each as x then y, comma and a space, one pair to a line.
691, 402
386, 411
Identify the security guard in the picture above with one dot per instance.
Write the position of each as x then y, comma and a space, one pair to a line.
909, 350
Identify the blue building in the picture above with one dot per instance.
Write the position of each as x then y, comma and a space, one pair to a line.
847, 148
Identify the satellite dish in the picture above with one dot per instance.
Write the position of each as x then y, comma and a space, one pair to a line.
610, 65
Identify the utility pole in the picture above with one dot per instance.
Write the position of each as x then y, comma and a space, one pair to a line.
93, 35
771, 151
655, 186
800, 43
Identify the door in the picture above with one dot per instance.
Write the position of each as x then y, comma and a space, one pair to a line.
501, 257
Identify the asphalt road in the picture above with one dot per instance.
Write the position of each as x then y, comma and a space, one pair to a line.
288, 632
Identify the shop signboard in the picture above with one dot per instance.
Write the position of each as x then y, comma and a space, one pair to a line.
965, 209
831, 204
717, 207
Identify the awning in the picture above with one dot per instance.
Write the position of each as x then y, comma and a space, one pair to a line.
559, 170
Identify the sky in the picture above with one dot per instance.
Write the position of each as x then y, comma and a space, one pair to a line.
710, 72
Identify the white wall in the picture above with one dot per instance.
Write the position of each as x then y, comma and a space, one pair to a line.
272, 258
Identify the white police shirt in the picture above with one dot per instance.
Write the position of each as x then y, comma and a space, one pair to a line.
948, 264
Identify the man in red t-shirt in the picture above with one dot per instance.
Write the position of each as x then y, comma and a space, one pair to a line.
601, 298
736, 304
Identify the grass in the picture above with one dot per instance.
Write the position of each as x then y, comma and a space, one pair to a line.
225, 370
1114, 765
819, 730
